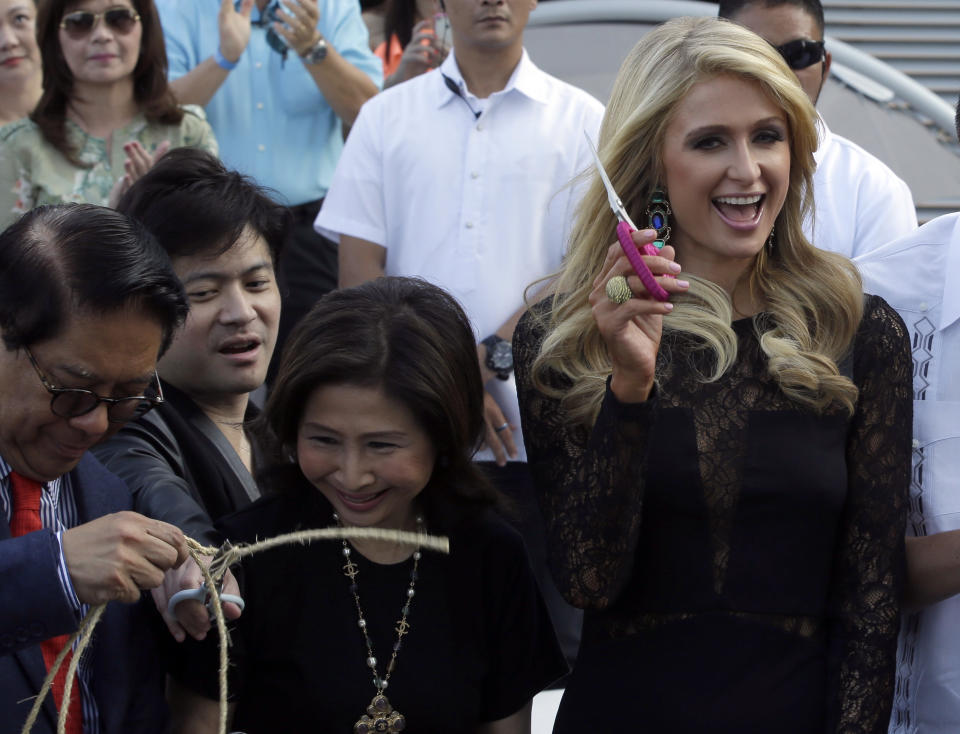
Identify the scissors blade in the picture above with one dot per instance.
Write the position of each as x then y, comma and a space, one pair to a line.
615, 203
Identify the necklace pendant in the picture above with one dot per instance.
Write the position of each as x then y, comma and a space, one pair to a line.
380, 717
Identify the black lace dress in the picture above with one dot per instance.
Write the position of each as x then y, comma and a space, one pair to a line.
740, 557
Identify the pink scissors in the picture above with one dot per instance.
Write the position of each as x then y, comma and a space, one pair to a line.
624, 228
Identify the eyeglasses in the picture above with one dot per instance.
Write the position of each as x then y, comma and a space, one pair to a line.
80, 24
801, 53
72, 402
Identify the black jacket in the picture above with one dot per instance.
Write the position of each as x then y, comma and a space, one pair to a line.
178, 466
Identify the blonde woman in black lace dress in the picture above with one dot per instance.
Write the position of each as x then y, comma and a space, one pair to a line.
724, 475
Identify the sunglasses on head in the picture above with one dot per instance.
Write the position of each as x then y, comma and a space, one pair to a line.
81, 23
802, 53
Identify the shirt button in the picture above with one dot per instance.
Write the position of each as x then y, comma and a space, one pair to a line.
261, 147
916, 444
469, 225
258, 64
923, 306
479, 127
474, 174
259, 105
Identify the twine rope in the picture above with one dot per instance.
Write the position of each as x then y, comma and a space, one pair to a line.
223, 558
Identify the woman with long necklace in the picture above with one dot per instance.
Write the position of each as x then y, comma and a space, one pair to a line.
722, 450
374, 417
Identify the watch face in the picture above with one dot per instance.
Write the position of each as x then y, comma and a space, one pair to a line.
502, 356
316, 54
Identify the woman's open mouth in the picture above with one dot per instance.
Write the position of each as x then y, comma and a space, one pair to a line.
740, 211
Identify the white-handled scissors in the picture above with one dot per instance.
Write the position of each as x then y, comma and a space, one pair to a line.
201, 595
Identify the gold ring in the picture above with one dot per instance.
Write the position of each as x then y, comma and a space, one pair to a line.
617, 289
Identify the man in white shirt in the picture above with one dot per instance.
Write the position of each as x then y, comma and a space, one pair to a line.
859, 202
919, 275
461, 176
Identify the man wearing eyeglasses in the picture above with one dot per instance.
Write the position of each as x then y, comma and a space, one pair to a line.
280, 83
859, 202
88, 302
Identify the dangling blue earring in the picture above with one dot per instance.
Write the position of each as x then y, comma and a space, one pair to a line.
658, 211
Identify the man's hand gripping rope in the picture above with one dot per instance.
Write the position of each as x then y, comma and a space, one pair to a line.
223, 558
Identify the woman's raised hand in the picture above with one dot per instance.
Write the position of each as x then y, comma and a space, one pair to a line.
632, 329
138, 162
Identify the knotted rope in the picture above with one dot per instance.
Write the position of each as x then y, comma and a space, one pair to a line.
223, 558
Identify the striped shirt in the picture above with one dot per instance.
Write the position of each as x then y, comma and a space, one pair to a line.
58, 512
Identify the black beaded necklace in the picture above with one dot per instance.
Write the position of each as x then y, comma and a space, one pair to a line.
381, 716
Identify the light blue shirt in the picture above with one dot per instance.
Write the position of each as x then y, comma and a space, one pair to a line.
270, 119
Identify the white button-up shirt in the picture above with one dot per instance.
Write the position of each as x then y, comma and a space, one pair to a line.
860, 204
479, 205
919, 275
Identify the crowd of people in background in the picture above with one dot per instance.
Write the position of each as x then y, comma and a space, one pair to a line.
275, 265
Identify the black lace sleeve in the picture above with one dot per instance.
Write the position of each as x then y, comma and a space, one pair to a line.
870, 562
589, 482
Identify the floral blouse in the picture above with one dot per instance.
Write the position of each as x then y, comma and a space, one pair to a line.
33, 172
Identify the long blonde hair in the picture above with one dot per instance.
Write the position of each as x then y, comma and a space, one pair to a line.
813, 299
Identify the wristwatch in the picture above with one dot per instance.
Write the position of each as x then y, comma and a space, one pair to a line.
316, 53
499, 356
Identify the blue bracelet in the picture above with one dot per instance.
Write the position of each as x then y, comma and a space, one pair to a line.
222, 61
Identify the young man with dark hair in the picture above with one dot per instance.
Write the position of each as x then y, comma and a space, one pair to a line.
223, 235
919, 275
88, 302
859, 203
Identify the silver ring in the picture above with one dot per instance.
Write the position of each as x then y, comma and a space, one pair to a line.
504, 427
618, 290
